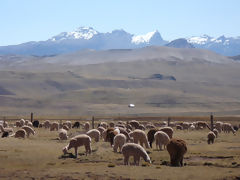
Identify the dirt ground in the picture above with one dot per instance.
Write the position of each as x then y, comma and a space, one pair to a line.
41, 157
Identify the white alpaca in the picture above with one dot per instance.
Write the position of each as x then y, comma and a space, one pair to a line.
118, 141
77, 141
161, 138
63, 134
139, 136
94, 134
28, 130
9, 130
135, 150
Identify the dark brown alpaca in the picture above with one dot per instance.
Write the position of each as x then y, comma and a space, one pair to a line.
150, 136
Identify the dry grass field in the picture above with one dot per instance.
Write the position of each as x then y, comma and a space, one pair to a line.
41, 157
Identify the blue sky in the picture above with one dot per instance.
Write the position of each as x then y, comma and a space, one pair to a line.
32, 20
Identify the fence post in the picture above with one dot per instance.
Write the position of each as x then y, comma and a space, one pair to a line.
169, 119
211, 119
31, 117
93, 122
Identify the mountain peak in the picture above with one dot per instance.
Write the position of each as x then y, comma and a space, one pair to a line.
80, 33
199, 39
180, 43
146, 38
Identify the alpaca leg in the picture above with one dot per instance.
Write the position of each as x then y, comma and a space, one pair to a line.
86, 149
157, 144
181, 161
120, 147
76, 151
126, 158
138, 160
115, 148
89, 149
150, 143
135, 160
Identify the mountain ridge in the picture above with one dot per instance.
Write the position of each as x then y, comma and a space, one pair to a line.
89, 38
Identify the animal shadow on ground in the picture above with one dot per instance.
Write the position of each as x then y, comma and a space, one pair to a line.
67, 155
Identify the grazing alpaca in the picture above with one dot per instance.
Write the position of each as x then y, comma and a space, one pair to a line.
150, 136
135, 150
139, 136
161, 139
62, 134
176, 149
211, 136
21, 133
94, 134
167, 130
35, 123
215, 132
54, 126
76, 125
110, 134
227, 128
28, 130
118, 141
9, 130
77, 141
134, 124
87, 126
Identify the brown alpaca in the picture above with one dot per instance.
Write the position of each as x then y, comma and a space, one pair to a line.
168, 131
211, 136
176, 149
150, 136
134, 124
110, 134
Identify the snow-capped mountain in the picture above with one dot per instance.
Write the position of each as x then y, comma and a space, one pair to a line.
227, 46
151, 38
89, 38
79, 33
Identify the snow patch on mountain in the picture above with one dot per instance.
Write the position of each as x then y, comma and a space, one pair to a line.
200, 39
80, 33
143, 38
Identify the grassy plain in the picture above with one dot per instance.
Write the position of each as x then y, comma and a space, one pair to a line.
41, 157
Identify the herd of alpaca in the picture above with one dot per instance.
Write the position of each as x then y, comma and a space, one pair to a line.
128, 138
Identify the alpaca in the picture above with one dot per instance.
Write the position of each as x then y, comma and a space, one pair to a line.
94, 134
134, 124
63, 134
211, 136
118, 141
215, 132
139, 135
161, 138
176, 149
167, 130
28, 130
76, 125
77, 141
54, 126
150, 136
135, 150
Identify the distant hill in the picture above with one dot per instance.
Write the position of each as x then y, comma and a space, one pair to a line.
158, 80
180, 43
236, 58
